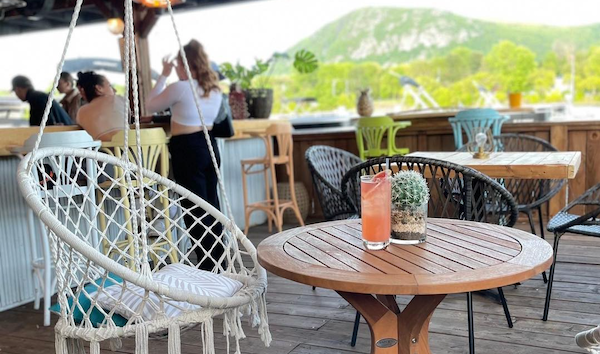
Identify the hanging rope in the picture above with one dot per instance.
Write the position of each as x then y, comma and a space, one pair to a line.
74, 19
139, 212
197, 102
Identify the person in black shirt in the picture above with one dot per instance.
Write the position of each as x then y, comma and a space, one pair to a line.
37, 100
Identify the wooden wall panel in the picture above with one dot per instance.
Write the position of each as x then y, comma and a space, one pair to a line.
578, 142
592, 160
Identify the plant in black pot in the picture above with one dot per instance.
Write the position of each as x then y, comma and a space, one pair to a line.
256, 81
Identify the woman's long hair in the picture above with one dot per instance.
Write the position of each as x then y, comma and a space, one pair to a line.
87, 81
200, 67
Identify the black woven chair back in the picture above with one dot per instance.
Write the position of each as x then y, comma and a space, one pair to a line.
457, 192
327, 166
529, 193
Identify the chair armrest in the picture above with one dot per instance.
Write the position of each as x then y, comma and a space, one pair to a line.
394, 130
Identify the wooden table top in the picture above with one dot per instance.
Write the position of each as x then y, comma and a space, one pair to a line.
459, 256
525, 165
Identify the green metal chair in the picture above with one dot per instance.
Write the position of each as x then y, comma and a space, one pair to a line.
370, 132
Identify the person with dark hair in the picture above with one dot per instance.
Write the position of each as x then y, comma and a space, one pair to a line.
104, 115
190, 158
72, 99
37, 100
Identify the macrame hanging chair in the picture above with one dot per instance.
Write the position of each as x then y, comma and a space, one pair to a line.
149, 285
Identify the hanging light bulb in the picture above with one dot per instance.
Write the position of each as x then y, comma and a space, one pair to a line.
115, 25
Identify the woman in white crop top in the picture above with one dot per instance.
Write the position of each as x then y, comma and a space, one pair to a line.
192, 166
104, 115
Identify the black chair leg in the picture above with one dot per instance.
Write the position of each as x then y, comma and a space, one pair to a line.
314, 288
530, 218
539, 209
470, 323
541, 217
355, 330
505, 306
531, 224
551, 279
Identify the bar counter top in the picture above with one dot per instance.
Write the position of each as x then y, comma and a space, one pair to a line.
11, 137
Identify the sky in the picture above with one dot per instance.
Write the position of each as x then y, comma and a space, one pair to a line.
256, 29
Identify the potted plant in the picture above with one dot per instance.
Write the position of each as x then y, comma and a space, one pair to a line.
410, 195
255, 85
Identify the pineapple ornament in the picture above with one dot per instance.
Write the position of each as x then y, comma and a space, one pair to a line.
364, 106
237, 102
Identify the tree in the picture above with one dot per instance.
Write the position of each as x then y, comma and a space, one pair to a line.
513, 64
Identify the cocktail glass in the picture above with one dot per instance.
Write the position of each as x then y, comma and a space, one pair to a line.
376, 201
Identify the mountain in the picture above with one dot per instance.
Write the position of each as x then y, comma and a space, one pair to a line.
395, 35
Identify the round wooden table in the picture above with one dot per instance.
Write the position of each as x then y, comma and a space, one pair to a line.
459, 256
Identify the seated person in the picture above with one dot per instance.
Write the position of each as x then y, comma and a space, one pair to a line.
37, 100
104, 115
72, 99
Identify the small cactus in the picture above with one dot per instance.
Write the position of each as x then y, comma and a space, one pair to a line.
409, 188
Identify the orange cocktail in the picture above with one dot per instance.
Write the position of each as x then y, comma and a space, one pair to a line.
376, 201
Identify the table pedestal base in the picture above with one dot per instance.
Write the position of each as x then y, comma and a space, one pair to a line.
392, 331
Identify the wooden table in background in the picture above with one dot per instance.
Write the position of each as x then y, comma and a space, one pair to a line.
459, 256
524, 165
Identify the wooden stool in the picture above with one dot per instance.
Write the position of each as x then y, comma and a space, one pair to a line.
155, 157
272, 206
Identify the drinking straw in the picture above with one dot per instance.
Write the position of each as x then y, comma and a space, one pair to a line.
387, 163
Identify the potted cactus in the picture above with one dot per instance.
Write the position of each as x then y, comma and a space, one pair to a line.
410, 195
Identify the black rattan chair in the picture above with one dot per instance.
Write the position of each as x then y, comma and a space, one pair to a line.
327, 166
530, 194
586, 223
457, 192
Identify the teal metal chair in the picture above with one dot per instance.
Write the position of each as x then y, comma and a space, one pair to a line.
370, 132
469, 120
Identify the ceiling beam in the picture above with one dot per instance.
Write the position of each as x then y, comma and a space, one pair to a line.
145, 19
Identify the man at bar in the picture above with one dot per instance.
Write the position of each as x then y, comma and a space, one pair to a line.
37, 100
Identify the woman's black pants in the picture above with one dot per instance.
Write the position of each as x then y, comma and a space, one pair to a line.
193, 169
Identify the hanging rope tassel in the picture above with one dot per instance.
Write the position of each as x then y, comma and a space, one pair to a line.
208, 337
174, 339
94, 347
141, 339
60, 344
263, 327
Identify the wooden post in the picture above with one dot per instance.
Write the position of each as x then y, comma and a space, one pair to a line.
144, 20
559, 138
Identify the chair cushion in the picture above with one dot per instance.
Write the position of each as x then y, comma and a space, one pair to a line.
96, 316
559, 220
126, 298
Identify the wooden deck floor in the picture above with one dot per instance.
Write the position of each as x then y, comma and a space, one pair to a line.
320, 322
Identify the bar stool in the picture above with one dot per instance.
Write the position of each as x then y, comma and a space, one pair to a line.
41, 260
155, 157
272, 206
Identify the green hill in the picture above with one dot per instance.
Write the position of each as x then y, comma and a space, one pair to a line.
395, 35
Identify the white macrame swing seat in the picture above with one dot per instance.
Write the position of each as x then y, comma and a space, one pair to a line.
126, 291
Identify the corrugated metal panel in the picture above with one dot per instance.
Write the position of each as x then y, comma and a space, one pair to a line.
232, 153
16, 277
